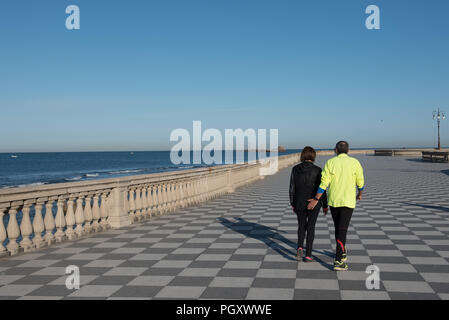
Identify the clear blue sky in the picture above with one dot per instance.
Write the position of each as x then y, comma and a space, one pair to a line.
138, 69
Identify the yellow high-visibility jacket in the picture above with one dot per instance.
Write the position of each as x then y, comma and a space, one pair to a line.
342, 174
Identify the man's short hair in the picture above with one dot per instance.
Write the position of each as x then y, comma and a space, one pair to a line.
342, 147
308, 153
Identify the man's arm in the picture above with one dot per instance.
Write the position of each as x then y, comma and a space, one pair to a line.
360, 180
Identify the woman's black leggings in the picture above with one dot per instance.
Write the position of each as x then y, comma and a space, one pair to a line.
342, 217
306, 222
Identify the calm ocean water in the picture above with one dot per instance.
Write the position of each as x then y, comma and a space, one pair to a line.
44, 168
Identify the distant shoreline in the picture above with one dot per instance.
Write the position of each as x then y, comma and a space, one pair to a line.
286, 150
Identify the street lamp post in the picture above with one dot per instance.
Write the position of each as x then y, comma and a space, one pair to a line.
439, 115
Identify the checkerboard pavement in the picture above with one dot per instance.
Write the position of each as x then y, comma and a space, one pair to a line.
242, 246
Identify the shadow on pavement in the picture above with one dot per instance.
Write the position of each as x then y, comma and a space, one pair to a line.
416, 160
267, 235
322, 262
427, 206
445, 172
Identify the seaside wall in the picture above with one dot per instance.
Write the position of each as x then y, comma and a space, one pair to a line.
81, 208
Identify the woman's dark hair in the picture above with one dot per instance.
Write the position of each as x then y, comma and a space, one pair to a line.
308, 153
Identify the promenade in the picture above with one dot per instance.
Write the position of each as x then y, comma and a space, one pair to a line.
242, 246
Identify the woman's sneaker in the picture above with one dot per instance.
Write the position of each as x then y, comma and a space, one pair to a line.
340, 266
308, 259
299, 254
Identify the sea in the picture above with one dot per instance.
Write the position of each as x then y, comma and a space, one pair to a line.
33, 169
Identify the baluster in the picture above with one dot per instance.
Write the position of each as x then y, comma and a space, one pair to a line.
203, 189
155, 200
185, 199
174, 196
26, 229
189, 193
49, 222
150, 201
209, 184
96, 214
3, 235
200, 190
181, 192
132, 206
166, 198
169, 197
79, 216
104, 212
159, 199
38, 225
138, 203
60, 221
70, 219
195, 192
145, 207
13, 232
177, 196
88, 214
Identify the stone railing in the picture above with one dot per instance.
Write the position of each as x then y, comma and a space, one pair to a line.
34, 217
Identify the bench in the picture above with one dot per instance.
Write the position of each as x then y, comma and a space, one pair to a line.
435, 156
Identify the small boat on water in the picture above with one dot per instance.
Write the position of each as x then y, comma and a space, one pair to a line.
14, 156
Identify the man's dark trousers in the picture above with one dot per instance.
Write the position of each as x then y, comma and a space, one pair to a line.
342, 217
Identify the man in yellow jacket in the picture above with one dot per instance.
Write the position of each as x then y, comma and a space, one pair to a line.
343, 175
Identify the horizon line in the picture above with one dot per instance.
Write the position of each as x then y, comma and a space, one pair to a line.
245, 150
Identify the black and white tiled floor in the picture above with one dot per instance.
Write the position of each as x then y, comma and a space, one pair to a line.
242, 246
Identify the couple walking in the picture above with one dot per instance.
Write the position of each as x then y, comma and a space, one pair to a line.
343, 177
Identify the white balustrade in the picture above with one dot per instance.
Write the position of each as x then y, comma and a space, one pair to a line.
101, 204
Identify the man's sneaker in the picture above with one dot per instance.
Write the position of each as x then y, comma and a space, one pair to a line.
308, 259
340, 266
344, 256
299, 254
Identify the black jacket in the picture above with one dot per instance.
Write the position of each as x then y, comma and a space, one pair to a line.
304, 182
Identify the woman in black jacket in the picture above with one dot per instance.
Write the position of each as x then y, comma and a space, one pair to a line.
304, 182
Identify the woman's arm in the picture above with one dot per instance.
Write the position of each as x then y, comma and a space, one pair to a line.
292, 189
